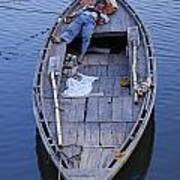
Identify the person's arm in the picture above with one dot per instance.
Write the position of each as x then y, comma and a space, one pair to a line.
105, 18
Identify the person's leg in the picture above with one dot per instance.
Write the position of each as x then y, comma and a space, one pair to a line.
70, 32
73, 30
87, 31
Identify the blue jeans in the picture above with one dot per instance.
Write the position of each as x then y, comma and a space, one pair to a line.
83, 24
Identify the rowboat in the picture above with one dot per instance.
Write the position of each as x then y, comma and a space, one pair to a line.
91, 132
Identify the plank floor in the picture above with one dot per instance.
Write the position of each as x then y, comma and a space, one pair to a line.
99, 124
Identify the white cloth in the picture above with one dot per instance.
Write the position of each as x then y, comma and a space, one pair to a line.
79, 88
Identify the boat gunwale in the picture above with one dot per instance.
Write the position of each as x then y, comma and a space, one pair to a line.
148, 103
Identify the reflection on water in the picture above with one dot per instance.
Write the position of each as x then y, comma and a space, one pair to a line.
135, 169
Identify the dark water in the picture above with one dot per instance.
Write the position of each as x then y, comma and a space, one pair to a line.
23, 28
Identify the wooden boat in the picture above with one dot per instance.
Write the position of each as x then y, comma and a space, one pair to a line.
92, 136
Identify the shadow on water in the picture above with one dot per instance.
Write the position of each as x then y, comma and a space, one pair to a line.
137, 166
135, 169
46, 167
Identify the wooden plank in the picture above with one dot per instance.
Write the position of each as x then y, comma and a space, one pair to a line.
52, 127
112, 134
105, 109
101, 70
97, 59
47, 88
90, 158
78, 107
107, 155
80, 133
65, 104
115, 70
117, 89
91, 134
92, 109
106, 85
99, 50
127, 109
73, 109
93, 70
86, 174
117, 109
117, 21
73, 133
114, 59
48, 109
69, 133
85, 158
142, 63
88, 70
118, 59
71, 151
129, 127
106, 135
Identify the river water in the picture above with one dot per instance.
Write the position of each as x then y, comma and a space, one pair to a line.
24, 25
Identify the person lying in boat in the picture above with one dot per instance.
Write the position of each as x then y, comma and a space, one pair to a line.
84, 24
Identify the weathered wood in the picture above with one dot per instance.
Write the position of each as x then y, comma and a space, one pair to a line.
107, 156
73, 109
90, 158
106, 85
112, 134
142, 68
93, 70
80, 134
115, 70
92, 134
86, 174
92, 109
105, 109
71, 151
127, 109
69, 133
49, 112
117, 109
97, 59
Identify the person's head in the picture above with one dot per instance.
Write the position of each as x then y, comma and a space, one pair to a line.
100, 5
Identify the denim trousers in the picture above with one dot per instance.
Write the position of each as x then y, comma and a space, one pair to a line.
84, 25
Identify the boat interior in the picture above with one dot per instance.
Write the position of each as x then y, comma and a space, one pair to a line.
95, 126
